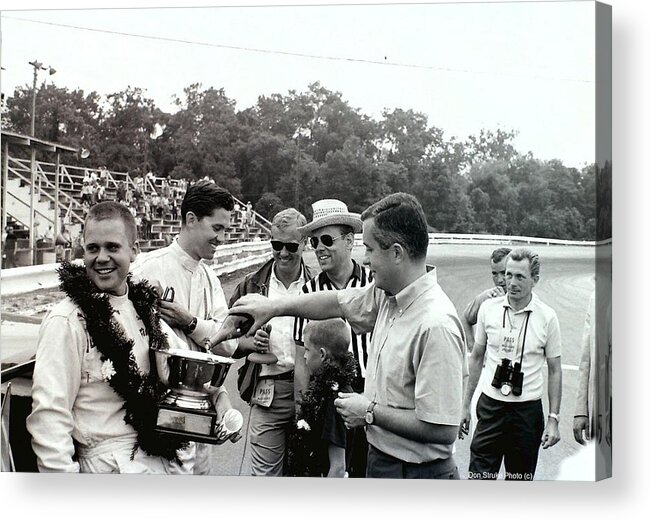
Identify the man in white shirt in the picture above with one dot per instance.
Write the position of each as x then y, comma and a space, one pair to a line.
198, 306
517, 333
92, 406
272, 403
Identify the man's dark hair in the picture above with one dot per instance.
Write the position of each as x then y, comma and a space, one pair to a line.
203, 198
499, 254
399, 218
534, 261
112, 210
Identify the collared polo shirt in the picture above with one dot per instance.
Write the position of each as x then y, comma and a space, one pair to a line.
415, 361
281, 339
542, 340
196, 287
358, 343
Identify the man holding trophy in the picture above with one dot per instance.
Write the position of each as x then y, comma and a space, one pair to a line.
94, 392
193, 302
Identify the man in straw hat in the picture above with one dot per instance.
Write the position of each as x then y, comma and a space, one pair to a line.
412, 397
332, 235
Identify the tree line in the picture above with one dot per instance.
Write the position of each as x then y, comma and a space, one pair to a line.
292, 149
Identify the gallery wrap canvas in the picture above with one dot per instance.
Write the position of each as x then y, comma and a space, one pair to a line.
495, 116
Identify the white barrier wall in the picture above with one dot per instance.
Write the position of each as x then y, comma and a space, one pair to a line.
233, 257
228, 258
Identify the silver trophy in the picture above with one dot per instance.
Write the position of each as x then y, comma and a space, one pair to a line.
186, 410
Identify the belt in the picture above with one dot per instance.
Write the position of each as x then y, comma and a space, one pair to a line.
289, 375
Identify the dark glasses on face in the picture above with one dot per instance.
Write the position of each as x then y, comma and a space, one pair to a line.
292, 247
326, 240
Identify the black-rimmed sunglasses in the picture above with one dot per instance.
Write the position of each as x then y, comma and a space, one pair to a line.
326, 240
292, 247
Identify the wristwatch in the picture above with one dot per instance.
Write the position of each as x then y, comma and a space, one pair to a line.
369, 417
189, 328
554, 415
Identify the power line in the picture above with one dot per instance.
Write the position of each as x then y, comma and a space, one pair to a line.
384, 62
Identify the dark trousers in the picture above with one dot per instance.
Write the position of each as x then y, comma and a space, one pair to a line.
506, 431
381, 465
356, 452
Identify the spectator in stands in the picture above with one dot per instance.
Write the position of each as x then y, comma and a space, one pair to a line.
86, 190
93, 193
139, 189
104, 177
62, 244
166, 189
175, 209
247, 219
163, 207
121, 192
99, 193
9, 249
155, 205
146, 222
49, 234
36, 228
78, 246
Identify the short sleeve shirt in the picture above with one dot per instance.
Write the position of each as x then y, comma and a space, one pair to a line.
415, 361
541, 336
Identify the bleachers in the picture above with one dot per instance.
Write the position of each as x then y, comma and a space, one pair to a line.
163, 228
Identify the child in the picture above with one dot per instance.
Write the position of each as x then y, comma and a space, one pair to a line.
317, 446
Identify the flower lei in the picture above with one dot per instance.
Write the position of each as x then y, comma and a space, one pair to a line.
305, 436
140, 392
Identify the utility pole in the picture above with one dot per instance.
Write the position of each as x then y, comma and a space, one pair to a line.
38, 66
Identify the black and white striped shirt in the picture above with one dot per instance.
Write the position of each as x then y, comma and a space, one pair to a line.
359, 343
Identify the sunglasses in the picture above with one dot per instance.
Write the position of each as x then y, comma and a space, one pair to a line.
326, 240
292, 247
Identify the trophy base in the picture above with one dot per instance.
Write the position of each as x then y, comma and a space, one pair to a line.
189, 424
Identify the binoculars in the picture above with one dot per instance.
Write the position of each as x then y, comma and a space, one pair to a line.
508, 378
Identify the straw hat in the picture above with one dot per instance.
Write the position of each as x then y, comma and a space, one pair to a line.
328, 212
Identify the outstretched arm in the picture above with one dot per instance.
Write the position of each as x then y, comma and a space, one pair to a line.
317, 306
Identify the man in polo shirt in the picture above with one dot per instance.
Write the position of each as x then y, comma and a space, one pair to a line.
332, 235
413, 391
518, 333
272, 403
498, 270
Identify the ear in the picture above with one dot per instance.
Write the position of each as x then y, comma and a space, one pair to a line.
135, 248
323, 354
536, 279
191, 218
399, 253
350, 241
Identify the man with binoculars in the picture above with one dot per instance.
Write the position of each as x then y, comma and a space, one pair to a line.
518, 333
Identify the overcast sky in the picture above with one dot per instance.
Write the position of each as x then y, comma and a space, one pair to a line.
522, 66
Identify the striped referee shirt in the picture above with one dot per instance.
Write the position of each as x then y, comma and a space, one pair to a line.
358, 343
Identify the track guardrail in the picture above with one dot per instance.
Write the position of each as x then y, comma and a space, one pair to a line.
228, 258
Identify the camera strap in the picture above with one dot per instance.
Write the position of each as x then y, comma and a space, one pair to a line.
524, 337
521, 334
